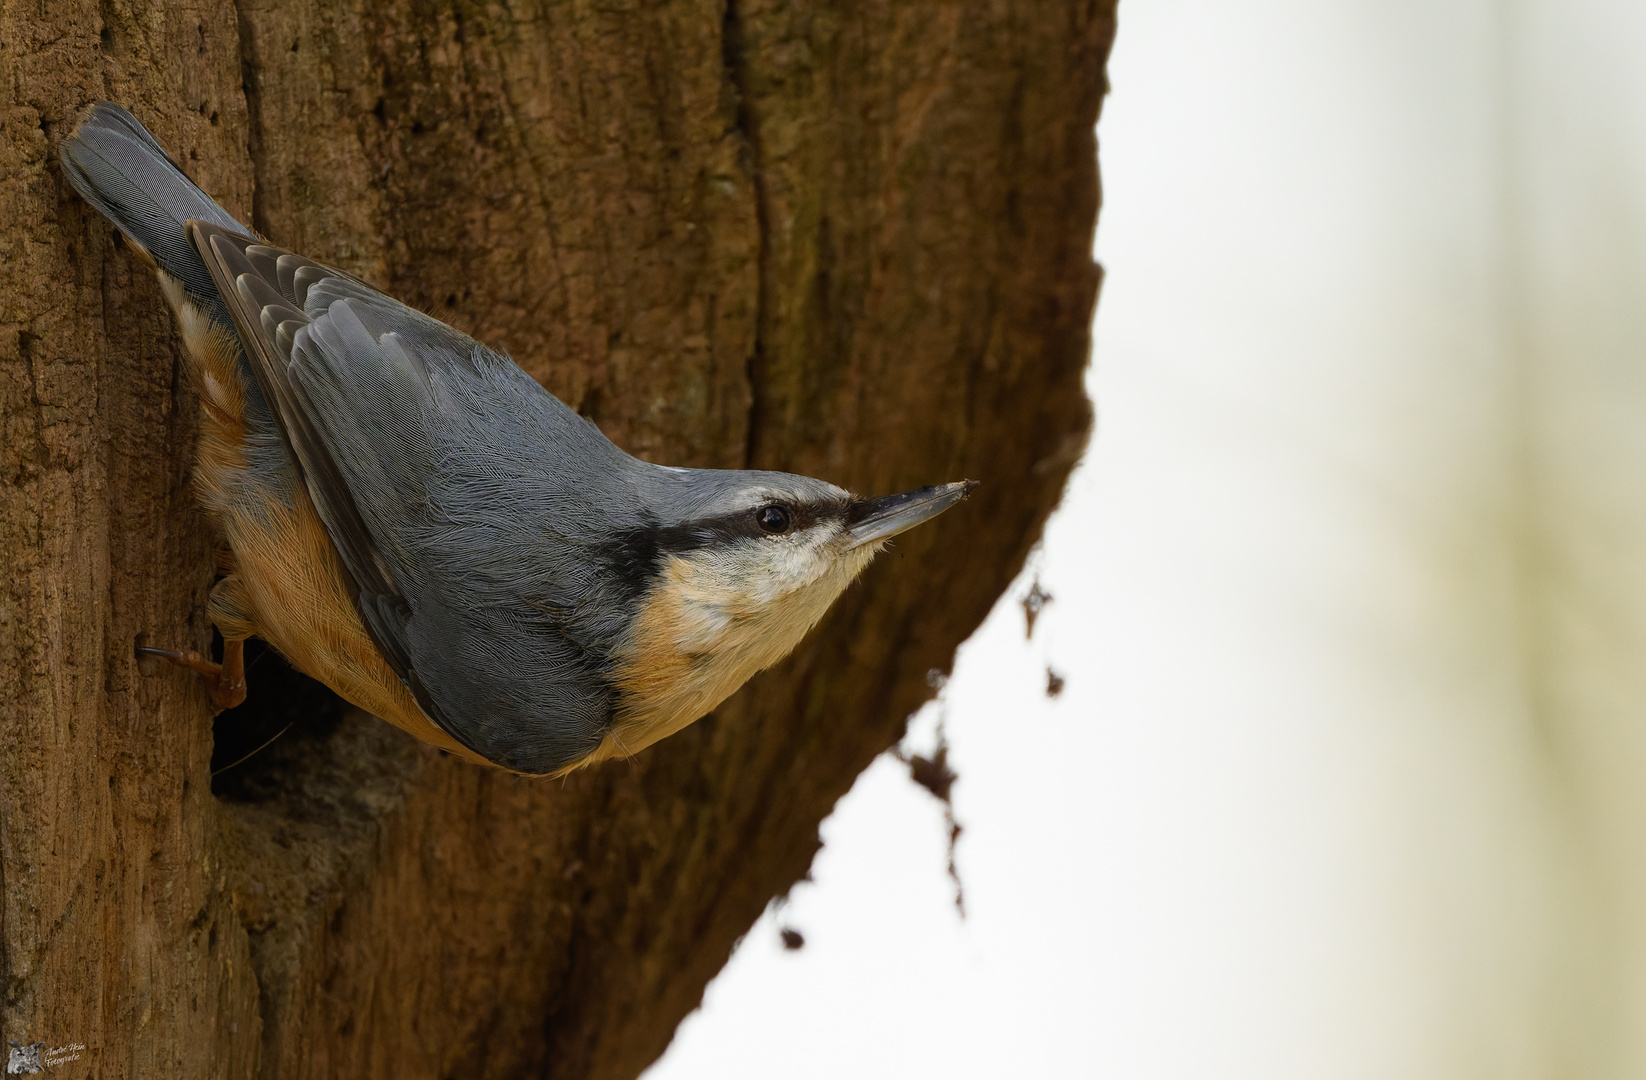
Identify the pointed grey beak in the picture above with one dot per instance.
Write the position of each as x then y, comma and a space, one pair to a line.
869, 520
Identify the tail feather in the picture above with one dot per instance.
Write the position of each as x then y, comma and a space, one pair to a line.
115, 164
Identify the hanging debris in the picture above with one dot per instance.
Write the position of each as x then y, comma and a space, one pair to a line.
933, 774
1033, 604
1054, 683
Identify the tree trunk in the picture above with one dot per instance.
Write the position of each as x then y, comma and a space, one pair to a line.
846, 238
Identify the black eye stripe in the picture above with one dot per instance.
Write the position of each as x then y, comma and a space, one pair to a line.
724, 528
634, 556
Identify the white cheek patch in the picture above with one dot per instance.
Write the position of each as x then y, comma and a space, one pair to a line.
750, 585
776, 568
797, 565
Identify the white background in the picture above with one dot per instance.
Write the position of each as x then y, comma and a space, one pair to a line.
1349, 776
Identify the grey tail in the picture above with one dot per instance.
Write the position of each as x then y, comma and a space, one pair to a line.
115, 164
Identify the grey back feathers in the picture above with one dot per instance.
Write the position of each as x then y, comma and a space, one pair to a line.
498, 543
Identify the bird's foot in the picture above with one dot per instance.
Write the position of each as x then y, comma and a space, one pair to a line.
225, 682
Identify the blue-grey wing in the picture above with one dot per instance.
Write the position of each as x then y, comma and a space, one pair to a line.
459, 495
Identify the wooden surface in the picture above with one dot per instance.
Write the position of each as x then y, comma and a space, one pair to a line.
847, 239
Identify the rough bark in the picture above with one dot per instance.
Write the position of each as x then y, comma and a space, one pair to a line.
848, 238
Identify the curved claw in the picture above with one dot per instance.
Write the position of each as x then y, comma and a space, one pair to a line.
225, 682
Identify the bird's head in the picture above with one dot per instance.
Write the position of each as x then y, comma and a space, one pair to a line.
738, 567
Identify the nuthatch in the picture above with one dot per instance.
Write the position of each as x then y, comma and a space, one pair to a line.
418, 524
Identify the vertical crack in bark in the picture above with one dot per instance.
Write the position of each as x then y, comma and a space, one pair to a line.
735, 61
105, 35
28, 352
254, 115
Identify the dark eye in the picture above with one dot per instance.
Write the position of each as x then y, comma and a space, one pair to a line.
773, 519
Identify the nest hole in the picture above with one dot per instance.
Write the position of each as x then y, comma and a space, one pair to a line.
285, 717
